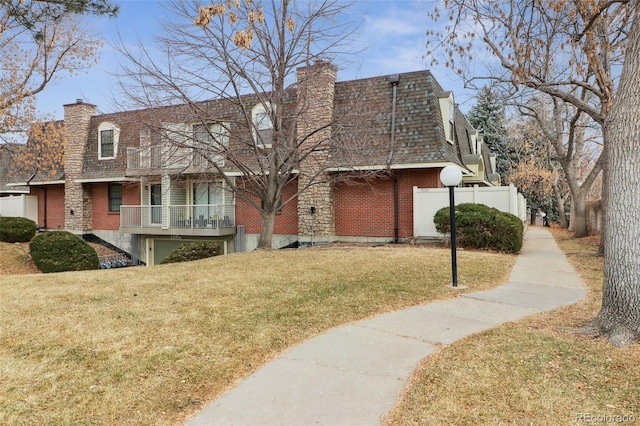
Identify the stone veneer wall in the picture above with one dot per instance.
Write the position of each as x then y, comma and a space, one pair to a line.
77, 196
316, 88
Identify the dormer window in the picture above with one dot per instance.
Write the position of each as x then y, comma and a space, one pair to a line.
262, 125
106, 143
448, 109
473, 140
108, 135
452, 114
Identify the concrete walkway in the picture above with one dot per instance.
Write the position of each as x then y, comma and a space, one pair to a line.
352, 375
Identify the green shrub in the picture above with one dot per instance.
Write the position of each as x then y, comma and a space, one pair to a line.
17, 229
60, 251
483, 227
192, 251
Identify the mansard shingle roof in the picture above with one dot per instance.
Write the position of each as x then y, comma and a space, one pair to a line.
419, 133
132, 123
361, 135
115, 168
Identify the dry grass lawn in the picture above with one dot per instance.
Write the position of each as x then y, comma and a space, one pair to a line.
15, 260
530, 372
151, 346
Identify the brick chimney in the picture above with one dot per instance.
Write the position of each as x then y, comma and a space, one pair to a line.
316, 89
77, 198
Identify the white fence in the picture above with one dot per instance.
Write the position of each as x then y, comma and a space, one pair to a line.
427, 201
20, 206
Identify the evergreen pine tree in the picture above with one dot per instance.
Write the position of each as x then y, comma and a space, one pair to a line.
488, 117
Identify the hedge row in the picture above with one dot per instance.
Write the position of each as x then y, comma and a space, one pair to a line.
60, 251
192, 251
482, 227
17, 229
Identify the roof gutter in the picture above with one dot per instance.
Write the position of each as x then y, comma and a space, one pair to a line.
435, 165
105, 180
39, 183
25, 183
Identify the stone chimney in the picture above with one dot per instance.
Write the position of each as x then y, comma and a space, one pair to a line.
316, 89
77, 198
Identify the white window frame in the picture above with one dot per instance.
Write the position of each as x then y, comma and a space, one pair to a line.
447, 110
452, 119
217, 133
261, 120
217, 136
106, 126
220, 184
227, 196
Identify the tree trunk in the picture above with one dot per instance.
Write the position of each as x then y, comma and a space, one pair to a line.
266, 231
562, 214
572, 214
579, 215
619, 319
603, 229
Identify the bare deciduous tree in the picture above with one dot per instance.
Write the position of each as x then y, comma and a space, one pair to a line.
260, 63
619, 318
42, 157
591, 38
532, 169
576, 150
39, 41
569, 50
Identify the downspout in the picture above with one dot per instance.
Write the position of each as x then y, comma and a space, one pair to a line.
44, 200
394, 79
44, 197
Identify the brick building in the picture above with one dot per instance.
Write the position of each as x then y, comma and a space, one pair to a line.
373, 140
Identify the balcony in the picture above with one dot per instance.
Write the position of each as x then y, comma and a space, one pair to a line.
143, 159
197, 220
154, 159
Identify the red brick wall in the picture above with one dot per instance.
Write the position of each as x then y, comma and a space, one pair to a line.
54, 206
103, 219
286, 221
366, 209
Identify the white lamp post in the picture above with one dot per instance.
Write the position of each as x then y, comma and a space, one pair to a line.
451, 176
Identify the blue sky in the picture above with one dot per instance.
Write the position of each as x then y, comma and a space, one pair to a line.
393, 33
